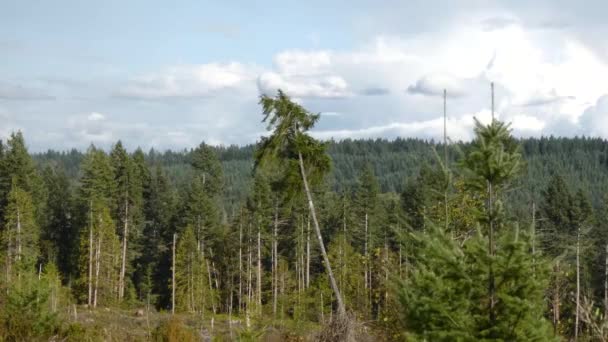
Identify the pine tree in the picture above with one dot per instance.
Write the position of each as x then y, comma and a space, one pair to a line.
20, 236
191, 274
208, 167
300, 152
59, 234
493, 161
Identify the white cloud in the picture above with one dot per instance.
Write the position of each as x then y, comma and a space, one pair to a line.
434, 85
330, 86
189, 81
96, 116
594, 120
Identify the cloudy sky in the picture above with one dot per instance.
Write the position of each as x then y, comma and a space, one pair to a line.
169, 74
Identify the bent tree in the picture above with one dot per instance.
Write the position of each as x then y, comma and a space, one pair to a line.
298, 153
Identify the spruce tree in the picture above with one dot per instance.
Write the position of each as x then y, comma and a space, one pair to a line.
304, 157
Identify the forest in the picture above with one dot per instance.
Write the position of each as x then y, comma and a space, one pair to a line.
292, 238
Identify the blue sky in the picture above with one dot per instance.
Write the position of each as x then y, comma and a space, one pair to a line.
171, 74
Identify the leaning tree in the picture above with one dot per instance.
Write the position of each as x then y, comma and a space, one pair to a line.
304, 159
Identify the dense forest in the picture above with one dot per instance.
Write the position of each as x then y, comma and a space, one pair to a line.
494, 239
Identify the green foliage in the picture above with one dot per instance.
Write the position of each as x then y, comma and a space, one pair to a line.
445, 296
26, 314
21, 234
289, 123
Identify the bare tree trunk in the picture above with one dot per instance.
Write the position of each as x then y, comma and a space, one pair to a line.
606, 284
385, 270
308, 254
259, 276
18, 234
275, 262
332, 279
556, 301
90, 280
534, 237
365, 255
578, 283
9, 260
173, 275
491, 281
249, 271
445, 151
97, 267
210, 286
125, 238
241, 263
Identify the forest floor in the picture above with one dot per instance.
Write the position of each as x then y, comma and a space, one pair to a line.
111, 324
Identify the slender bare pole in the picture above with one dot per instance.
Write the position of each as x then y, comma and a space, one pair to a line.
492, 88
90, 299
578, 283
125, 238
173, 276
445, 156
606, 285
311, 206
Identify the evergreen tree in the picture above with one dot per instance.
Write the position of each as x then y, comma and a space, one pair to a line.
20, 236
59, 235
290, 142
207, 166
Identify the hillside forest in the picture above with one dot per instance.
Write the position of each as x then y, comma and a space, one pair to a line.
292, 238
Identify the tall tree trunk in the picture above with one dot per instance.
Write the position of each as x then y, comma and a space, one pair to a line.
578, 283
125, 238
90, 280
332, 279
249, 271
606, 284
97, 268
366, 275
556, 300
18, 234
491, 280
210, 286
259, 278
308, 254
445, 151
9, 260
173, 275
241, 262
534, 237
275, 261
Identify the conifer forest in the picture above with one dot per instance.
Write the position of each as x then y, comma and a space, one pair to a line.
293, 238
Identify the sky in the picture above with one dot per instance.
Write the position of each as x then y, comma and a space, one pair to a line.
171, 74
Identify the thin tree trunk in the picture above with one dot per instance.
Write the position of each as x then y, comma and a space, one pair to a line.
18, 234
385, 270
90, 280
125, 238
241, 263
534, 237
556, 301
332, 279
249, 272
173, 275
259, 278
275, 262
578, 283
606, 284
365, 254
210, 286
491, 283
97, 267
445, 151
308, 254
9, 260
